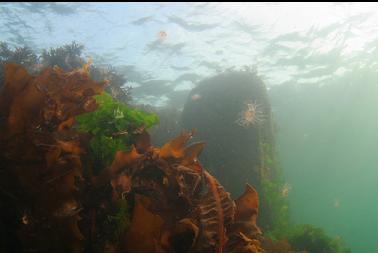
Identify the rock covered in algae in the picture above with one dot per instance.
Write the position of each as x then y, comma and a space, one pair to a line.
232, 113
215, 107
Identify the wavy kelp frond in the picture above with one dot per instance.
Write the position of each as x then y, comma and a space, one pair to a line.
192, 152
175, 147
216, 211
145, 229
114, 126
244, 234
247, 205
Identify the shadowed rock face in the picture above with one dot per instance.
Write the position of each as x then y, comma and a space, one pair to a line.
233, 152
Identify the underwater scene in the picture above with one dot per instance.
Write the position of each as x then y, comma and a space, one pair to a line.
188, 127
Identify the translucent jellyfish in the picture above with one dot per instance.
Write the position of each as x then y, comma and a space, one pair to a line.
252, 114
336, 203
285, 190
162, 36
196, 97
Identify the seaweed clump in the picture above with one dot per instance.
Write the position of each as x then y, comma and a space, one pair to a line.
20, 55
112, 127
312, 239
276, 203
146, 199
41, 158
68, 57
48, 193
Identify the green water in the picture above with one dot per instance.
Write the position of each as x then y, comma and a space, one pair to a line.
328, 148
318, 60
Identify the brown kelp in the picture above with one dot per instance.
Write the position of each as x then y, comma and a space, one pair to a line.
41, 156
20, 55
187, 209
68, 57
143, 199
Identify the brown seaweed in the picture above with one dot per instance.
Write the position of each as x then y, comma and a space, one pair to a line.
244, 234
43, 155
176, 205
170, 178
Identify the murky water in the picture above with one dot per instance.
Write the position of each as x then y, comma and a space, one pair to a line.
318, 61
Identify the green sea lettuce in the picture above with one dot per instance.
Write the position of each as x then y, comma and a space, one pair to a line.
112, 127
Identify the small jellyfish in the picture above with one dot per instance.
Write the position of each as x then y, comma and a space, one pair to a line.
336, 203
285, 190
196, 97
162, 36
251, 115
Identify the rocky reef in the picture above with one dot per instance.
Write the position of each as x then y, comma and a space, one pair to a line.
232, 114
